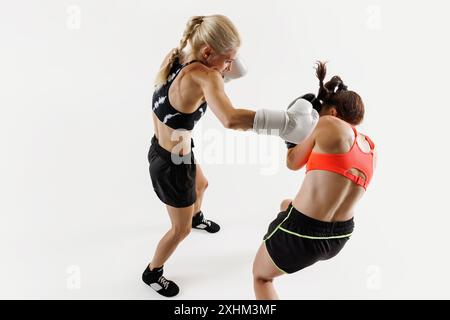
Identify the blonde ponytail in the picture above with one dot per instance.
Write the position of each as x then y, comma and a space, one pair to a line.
191, 26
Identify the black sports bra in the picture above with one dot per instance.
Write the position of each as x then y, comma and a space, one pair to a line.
166, 113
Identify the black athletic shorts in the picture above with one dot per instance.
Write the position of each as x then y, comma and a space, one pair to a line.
295, 241
173, 176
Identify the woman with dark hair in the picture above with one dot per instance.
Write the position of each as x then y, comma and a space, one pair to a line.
339, 166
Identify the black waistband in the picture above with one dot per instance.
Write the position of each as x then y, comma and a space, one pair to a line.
187, 158
323, 228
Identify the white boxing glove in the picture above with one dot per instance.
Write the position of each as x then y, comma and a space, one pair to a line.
293, 125
238, 70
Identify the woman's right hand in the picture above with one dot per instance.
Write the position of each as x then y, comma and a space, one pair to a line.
293, 125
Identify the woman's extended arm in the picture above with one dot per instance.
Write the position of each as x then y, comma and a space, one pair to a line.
212, 85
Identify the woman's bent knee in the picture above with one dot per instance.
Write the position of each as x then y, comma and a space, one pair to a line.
201, 187
181, 233
257, 277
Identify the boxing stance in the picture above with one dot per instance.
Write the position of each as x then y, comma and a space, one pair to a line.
339, 167
191, 79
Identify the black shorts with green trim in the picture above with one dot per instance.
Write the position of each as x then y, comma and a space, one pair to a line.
295, 241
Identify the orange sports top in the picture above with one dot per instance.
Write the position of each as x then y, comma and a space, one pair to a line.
341, 163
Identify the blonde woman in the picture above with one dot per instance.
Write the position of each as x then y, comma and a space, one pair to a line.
190, 79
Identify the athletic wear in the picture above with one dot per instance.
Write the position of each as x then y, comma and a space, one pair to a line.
199, 222
341, 163
173, 176
164, 110
295, 241
159, 283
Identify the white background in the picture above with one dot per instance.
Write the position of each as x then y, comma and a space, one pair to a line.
79, 218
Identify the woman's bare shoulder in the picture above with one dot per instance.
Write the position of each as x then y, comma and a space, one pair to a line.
202, 74
332, 133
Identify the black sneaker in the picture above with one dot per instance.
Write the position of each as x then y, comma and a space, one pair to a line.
199, 222
159, 283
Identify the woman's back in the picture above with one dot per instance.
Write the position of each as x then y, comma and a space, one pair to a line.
326, 195
185, 96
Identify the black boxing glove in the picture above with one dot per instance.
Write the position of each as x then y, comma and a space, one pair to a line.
317, 105
311, 97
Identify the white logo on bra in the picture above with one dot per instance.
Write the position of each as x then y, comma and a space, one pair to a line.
157, 103
169, 116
